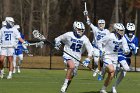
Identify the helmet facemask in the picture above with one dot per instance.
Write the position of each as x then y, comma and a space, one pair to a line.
80, 32
101, 26
120, 33
130, 33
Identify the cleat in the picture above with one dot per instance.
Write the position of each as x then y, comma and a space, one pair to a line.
100, 77
63, 92
114, 90
9, 77
95, 73
63, 89
103, 91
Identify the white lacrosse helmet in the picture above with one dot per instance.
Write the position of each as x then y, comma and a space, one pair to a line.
119, 29
79, 28
10, 21
3, 23
119, 26
101, 21
101, 24
130, 26
130, 29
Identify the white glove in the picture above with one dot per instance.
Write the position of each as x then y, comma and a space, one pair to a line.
57, 45
126, 51
85, 13
132, 46
86, 62
26, 51
25, 44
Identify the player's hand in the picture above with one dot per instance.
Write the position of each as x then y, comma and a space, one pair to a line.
132, 46
85, 13
57, 45
86, 62
26, 51
126, 51
25, 44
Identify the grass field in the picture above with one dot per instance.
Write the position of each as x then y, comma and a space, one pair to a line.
50, 81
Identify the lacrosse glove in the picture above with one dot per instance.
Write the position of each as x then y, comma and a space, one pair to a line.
86, 62
85, 13
57, 45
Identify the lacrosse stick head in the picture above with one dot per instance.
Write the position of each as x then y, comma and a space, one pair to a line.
37, 35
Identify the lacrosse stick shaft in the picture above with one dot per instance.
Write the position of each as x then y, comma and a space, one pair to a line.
31, 44
69, 55
85, 5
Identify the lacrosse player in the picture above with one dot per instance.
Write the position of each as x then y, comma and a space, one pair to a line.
125, 59
74, 44
3, 25
8, 35
98, 33
111, 44
19, 53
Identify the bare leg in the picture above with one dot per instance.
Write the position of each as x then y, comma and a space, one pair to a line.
110, 70
10, 60
69, 75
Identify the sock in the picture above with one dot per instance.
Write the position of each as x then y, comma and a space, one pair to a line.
19, 62
18, 67
66, 81
10, 73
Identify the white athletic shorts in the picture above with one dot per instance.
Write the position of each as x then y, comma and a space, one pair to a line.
19, 56
108, 62
66, 58
7, 51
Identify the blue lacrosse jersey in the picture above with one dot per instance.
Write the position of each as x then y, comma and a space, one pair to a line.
19, 49
127, 57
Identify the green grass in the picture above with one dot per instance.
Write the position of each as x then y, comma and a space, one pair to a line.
50, 81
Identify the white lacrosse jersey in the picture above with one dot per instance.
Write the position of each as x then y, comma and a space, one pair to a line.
111, 44
8, 36
98, 34
75, 46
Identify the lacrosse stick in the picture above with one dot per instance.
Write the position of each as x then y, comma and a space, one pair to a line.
85, 5
39, 36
